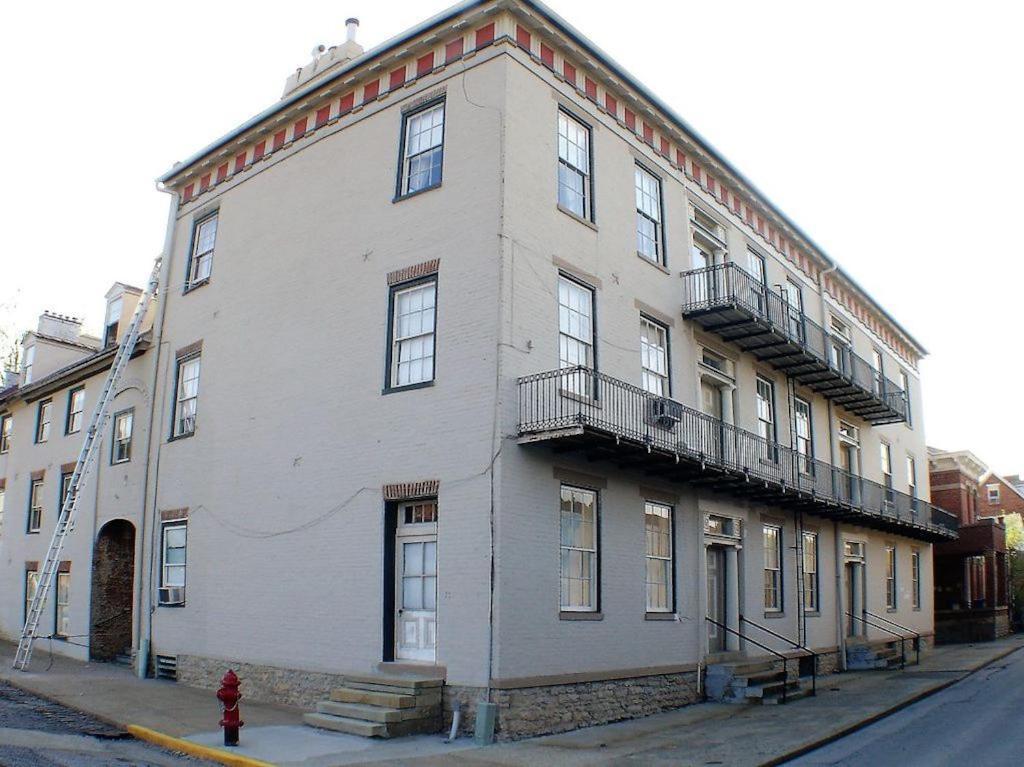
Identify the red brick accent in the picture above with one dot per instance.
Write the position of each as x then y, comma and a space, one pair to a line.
680, 158
172, 515
31, 565
630, 120
204, 182
710, 184
648, 134
664, 147
239, 162
485, 35
569, 72
37, 474
611, 104
67, 468
186, 351
523, 39
414, 272
425, 64
259, 150
590, 88
695, 171
347, 103
406, 491
64, 566
299, 129
3, 483
278, 140
454, 50
547, 57
322, 115
370, 91
222, 172
396, 79
188, 193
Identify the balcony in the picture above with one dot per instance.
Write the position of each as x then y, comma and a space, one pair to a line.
728, 302
577, 409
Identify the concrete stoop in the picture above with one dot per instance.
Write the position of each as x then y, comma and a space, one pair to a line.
753, 682
381, 706
866, 656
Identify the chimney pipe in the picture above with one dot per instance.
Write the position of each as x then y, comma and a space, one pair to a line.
351, 25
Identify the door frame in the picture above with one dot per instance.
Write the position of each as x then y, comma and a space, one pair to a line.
389, 638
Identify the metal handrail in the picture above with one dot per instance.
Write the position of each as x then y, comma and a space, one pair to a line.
796, 645
901, 627
729, 283
866, 622
776, 653
578, 396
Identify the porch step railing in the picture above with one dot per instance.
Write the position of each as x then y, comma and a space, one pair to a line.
776, 653
808, 652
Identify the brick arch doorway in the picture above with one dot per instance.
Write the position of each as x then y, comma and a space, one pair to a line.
113, 581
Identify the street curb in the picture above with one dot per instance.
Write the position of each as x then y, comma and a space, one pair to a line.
113, 723
860, 725
194, 749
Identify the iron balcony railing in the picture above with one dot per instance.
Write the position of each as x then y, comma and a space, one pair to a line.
567, 403
795, 343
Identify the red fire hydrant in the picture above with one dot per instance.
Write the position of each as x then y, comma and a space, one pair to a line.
229, 695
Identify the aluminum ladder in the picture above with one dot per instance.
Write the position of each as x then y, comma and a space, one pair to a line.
86, 458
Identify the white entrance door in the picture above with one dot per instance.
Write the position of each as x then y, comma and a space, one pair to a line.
416, 583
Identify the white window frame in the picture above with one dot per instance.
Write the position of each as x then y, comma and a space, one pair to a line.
773, 601
840, 343
911, 476
810, 566
765, 405
650, 244
62, 604
575, 334
655, 376
113, 320
3, 497
905, 385
758, 280
708, 236
121, 443
915, 578
885, 464
167, 568
35, 506
413, 344
27, 363
891, 596
803, 430
185, 425
658, 554
31, 577
6, 429
43, 424
429, 121
795, 305
878, 374
574, 163
583, 548
993, 494
204, 243
76, 407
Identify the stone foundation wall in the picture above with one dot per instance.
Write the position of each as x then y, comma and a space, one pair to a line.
267, 684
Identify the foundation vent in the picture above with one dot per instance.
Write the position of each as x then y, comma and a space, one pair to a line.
167, 667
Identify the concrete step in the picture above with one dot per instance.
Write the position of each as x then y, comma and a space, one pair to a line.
761, 677
395, 683
792, 694
371, 698
376, 713
748, 669
346, 725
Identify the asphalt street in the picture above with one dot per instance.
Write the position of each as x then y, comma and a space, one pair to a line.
977, 721
37, 733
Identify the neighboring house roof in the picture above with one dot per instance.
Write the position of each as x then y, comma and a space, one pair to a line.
578, 37
991, 475
964, 460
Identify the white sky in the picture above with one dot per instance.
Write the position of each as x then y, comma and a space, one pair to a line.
890, 131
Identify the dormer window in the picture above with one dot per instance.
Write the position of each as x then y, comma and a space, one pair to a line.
113, 320
29, 361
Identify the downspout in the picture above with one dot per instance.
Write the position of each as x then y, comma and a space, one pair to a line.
145, 599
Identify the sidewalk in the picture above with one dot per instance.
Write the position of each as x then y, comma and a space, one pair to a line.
696, 735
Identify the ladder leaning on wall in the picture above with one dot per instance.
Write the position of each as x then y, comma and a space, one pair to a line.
86, 458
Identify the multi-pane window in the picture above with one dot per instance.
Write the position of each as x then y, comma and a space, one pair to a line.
574, 166
649, 238
420, 512
113, 321
810, 568
890, 577
31, 585
121, 439
35, 506
758, 283
6, 424
993, 493
61, 621
915, 578
422, 150
412, 334
76, 404
3, 492
804, 442
186, 396
766, 410
885, 457
578, 549
575, 333
772, 567
65, 485
658, 530
654, 357
43, 416
795, 309
877, 373
204, 240
839, 344
172, 561
905, 386
27, 364
912, 481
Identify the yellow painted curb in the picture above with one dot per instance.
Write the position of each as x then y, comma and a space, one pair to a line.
194, 749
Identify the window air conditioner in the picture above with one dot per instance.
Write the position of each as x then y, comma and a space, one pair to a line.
171, 595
